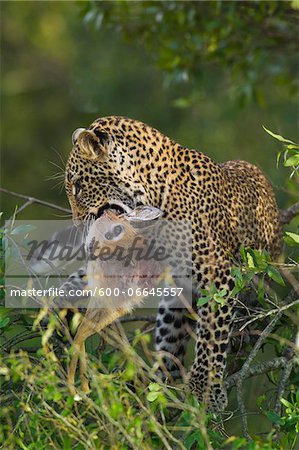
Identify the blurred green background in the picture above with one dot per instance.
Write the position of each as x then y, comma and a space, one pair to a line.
59, 72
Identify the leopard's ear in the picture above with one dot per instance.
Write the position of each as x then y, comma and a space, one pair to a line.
76, 134
93, 145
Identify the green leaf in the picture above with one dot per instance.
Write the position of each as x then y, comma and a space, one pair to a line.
243, 253
116, 409
154, 387
192, 438
129, 373
250, 261
293, 237
278, 157
275, 275
286, 403
274, 418
278, 137
67, 442
57, 396
292, 161
219, 296
152, 396
202, 301
22, 229
260, 400
4, 322
222, 293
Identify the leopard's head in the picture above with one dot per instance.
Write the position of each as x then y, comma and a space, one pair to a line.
94, 174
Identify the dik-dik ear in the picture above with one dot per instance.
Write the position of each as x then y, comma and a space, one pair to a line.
143, 215
92, 144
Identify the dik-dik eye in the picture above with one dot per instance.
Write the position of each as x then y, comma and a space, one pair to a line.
76, 189
117, 230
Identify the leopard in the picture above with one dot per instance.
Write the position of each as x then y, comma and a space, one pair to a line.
122, 163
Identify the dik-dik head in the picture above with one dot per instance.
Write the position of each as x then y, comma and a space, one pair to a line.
113, 230
116, 244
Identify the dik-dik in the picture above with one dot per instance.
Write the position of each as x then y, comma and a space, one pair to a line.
112, 268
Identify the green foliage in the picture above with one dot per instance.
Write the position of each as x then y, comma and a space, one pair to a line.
257, 44
121, 412
256, 262
253, 263
291, 239
289, 422
124, 410
290, 152
212, 294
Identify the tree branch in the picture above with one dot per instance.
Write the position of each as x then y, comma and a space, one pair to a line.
255, 370
31, 200
286, 215
285, 374
245, 369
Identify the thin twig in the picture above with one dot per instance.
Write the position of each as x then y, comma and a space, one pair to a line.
35, 200
138, 319
28, 203
269, 313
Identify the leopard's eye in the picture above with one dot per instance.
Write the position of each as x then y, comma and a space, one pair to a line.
76, 189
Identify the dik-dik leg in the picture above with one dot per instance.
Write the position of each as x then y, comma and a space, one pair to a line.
94, 321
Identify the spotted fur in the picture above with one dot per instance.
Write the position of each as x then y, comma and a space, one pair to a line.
229, 205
